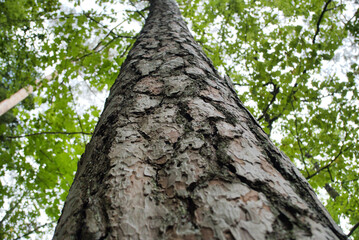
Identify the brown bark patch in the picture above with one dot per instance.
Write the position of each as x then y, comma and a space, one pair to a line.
169, 133
200, 214
270, 169
180, 187
149, 85
266, 208
207, 233
228, 235
170, 192
251, 196
243, 150
212, 93
161, 160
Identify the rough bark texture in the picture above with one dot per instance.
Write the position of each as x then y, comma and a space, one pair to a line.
175, 155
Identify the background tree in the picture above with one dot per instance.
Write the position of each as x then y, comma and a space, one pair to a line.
278, 53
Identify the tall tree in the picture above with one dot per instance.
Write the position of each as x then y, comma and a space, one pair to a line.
175, 155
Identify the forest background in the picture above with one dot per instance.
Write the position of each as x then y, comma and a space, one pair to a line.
293, 63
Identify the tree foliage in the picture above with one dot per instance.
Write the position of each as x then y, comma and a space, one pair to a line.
294, 64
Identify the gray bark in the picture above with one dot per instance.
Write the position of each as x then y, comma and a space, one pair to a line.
175, 155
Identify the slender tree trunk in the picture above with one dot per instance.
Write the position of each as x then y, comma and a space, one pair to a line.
175, 155
20, 95
15, 99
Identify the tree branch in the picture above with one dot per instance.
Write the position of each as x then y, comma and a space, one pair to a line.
354, 16
44, 133
111, 31
137, 11
274, 93
353, 229
96, 50
126, 50
78, 118
320, 19
330, 163
34, 230
299, 142
12, 208
65, 16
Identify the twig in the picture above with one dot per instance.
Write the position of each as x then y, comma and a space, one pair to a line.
41, 19
353, 229
137, 11
300, 145
320, 19
126, 50
43, 133
78, 118
111, 31
34, 230
274, 93
355, 14
8, 212
105, 46
330, 163
113, 39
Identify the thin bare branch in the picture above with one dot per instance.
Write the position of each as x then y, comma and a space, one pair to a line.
78, 118
353, 229
126, 50
274, 93
96, 49
12, 208
44, 133
137, 11
299, 142
34, 230
330, 163
111, 31
40, 19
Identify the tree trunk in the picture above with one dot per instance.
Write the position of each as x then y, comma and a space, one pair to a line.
20, 95
175, 155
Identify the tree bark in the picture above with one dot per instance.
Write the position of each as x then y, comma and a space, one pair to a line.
175, 155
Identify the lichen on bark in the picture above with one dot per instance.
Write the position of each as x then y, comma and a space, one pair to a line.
175, 155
